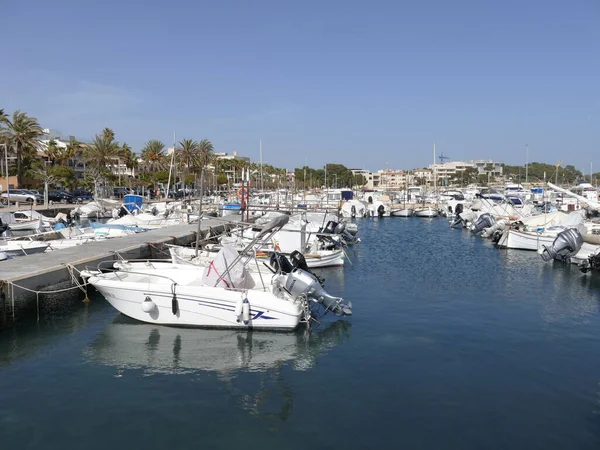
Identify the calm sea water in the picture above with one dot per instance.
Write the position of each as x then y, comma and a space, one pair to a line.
453, 345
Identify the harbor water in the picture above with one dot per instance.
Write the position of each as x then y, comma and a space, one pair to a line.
453, 345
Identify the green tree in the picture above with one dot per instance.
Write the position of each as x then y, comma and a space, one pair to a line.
65, 175
153, 155
103, 151
20, 132
187, 155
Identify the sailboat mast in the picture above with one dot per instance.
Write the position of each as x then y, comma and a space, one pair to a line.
171, 166
526, 163
262, 187
434, 171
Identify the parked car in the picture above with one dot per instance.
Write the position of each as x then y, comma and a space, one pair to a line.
120, 192
82, 195
60, 196
20, 195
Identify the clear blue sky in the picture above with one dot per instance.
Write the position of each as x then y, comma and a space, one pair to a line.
366, 84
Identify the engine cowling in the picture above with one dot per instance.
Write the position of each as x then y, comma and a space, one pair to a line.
484, 221
299, 282
567, 243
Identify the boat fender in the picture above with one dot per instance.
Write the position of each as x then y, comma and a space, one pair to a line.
174, 302
148, 305
238, 308
246, 311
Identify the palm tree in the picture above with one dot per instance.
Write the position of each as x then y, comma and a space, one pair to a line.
205, 152
153, 155
75, 150
52, 152
103, 150
129, 158
188, 154
21, 132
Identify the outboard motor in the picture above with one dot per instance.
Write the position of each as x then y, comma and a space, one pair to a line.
280, 263
485, 221
300, 283
498, 226
380, 210
459, 209
3, 227
299, 262
567, 243
330, 227
593, 262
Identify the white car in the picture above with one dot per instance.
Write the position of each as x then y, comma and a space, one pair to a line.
20, 195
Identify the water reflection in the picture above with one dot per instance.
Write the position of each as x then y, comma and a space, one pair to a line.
126, 344
249, 364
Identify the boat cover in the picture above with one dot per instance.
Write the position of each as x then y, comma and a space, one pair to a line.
221, 272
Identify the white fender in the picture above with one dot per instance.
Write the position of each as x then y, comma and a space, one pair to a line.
246, 311
238, 307
148, 305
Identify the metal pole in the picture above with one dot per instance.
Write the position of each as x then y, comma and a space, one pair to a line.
262, 188
526, 163
6, 166
200, 211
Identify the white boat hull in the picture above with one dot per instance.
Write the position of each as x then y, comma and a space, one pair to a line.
199, 306
426, 213
318, 259
406, 212
521, 240
22, 248
25, 225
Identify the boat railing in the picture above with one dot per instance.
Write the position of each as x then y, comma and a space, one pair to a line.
116, 271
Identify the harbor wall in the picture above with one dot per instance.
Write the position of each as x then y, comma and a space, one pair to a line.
26, 281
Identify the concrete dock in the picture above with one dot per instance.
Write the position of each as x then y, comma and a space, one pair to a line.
23, 277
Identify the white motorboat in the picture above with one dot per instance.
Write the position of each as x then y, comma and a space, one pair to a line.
353, 208
427, 212
534, 239
224, 294
314, 259
22, 248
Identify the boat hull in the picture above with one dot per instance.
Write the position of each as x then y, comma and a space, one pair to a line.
520, 240
199, 306
426, 213
23, 248
402, 213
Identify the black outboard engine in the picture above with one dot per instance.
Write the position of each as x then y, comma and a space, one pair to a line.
459, 209
567, 243
353, 211
123, 211
280, 263
3, 227
592, 263
330, 227
485, 221
380, 210
299, 262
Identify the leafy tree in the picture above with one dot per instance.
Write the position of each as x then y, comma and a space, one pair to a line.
153, 155
20, 132
104, 150
65, 176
